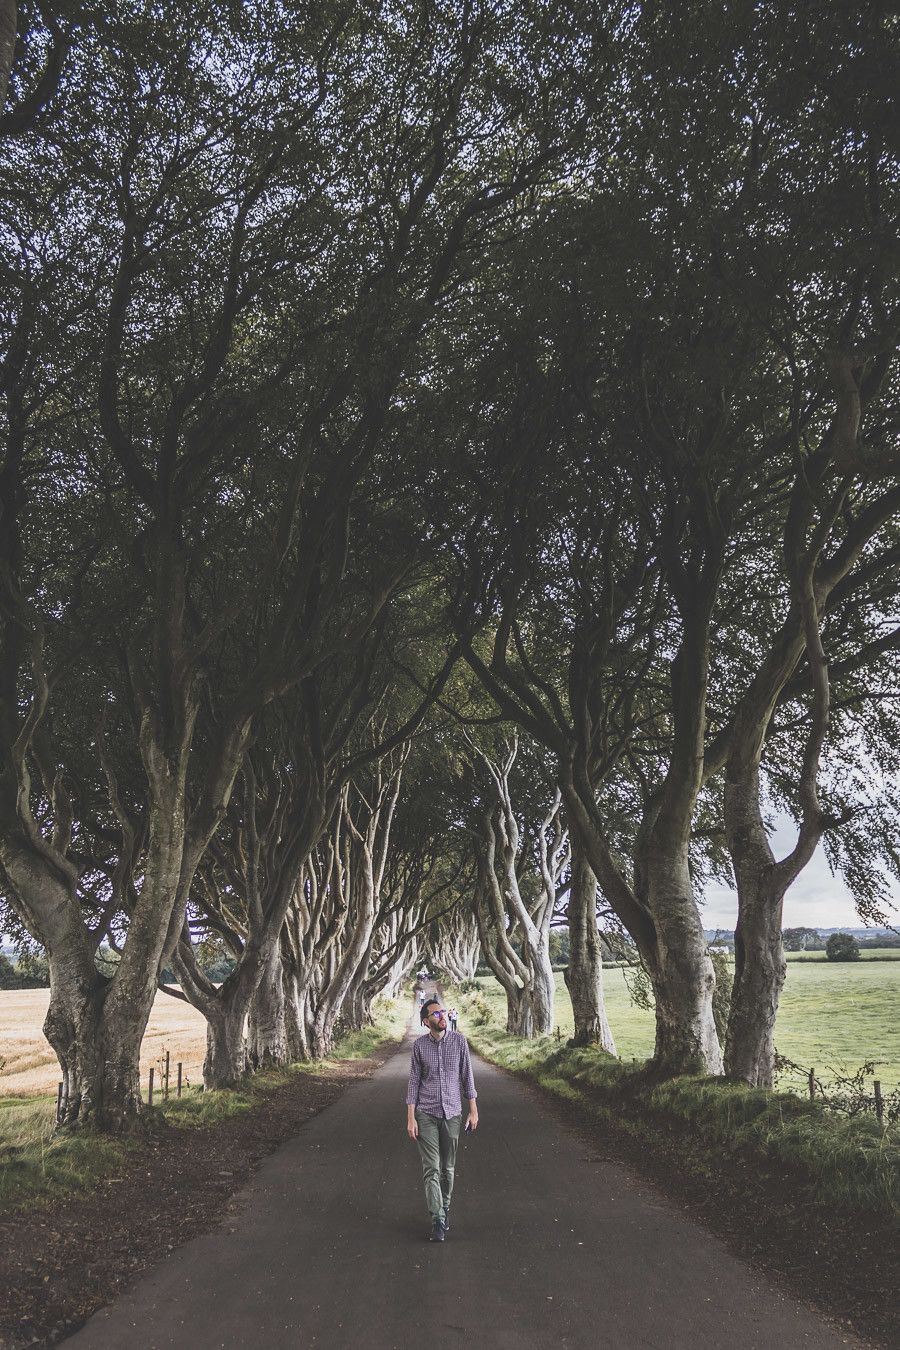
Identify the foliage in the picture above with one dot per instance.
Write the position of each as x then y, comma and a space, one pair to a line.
842, 947
848, 1093
559, 946
722, 995
801, 940
340, 347
30, 971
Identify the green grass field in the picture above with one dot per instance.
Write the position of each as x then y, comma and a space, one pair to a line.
873, 954
833, 1016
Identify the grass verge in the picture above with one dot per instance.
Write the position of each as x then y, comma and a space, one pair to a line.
846, 1162
36, 1164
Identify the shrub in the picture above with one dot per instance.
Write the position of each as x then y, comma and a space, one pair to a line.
722, 993
842, 947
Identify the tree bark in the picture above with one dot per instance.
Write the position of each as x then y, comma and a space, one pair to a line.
8, 23
584, 974
296, 1017
225, 1064
543, 987
759, 964
226, 1010
680, 970
267, 1040
519, 1012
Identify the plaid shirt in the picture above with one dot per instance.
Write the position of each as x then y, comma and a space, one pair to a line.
439, 1070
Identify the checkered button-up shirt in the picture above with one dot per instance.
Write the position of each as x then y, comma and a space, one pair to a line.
440, 1074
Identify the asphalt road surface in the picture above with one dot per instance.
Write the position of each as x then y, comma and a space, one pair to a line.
549, 1247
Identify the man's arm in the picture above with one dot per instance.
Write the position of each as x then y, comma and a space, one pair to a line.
412, 1093
467, 1078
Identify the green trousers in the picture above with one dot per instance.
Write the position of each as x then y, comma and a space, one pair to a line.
438, 1142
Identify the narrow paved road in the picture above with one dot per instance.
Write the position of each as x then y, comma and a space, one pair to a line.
549, 1247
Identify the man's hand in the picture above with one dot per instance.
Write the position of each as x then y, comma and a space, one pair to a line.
472, 1119
412, 1125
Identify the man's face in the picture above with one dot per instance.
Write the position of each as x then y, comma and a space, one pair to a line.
437, 1019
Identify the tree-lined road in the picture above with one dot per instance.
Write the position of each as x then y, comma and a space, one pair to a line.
549, 1246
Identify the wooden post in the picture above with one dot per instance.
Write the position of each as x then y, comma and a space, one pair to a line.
150, 1094
879, 1102
812, 1084
59, 1092
166, 1091
179, 1079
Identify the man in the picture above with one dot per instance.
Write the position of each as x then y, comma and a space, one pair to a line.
440, 1073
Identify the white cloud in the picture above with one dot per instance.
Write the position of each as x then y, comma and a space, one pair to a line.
816, 900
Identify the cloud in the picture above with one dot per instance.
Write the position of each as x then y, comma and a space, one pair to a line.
816, 900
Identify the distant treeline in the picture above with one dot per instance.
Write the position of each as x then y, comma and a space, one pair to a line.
29, 971
810, 940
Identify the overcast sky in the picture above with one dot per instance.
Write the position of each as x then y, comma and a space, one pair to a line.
816, 900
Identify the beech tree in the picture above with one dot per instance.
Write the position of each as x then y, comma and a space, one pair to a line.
263, 220
520, 868
308, 319
697, 388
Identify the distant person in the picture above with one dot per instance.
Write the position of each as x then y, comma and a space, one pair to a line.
452, 1017
440, 1075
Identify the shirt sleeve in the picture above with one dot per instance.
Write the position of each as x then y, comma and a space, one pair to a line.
415, 1076
466, 1076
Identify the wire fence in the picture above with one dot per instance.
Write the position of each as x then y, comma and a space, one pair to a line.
851, 1093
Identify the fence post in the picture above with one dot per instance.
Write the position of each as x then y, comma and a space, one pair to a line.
179, 1078
150, 1093
59, 1092
812, 1084
166, 1093
879, 1102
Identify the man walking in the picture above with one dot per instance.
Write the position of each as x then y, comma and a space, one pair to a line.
439, 1076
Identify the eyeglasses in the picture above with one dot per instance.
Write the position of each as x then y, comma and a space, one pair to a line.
437, 1012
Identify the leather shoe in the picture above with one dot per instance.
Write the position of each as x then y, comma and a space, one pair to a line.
437, 1231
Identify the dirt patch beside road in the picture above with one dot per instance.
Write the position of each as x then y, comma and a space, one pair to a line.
62, 1260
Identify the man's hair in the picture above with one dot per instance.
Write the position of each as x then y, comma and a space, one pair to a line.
429, 1003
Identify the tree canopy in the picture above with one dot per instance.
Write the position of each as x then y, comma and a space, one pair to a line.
449, 486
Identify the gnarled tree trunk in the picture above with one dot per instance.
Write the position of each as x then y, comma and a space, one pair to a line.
759, 964
267, 1039
584, 973
662, 916
226, 1045
680, 968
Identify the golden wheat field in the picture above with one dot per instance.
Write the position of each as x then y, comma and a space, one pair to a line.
30, 1066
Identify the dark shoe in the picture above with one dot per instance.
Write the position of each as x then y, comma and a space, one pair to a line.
437, 1231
